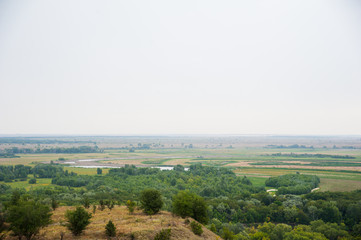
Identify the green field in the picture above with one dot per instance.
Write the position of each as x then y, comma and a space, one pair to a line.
40, 182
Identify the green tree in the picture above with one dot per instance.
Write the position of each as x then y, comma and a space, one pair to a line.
32, 181
2, 224
15, 197
110, 229
27, 218
332, 231
356, 230
302, 232
279, 231
99, 171
260, 236
151, 201
77, 220
227, 234
187, 204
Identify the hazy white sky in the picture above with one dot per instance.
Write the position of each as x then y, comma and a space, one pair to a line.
188, 67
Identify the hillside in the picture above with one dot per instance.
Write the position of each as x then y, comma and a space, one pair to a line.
141, 225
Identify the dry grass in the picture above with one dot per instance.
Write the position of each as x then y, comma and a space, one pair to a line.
142, 226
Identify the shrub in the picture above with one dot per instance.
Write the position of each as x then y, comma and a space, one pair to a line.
130, 205
196, 228
77, 220
110, 204
54, 204
164, 234
86, 202
101, 205
151, 201
32, 181
110, 230
94, 209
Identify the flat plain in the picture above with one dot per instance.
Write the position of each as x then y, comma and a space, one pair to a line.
336, 160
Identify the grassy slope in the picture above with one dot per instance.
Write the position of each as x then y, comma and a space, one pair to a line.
143, 227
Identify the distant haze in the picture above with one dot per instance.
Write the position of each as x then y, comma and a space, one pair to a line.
180, 67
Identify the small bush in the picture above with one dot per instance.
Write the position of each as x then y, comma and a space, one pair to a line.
164, 234
132, 236
94, 208
77, 220
110, 204
32, 181
101, 205
130, 205
213, 228
86, 202
196, 228
54, 204
110, 230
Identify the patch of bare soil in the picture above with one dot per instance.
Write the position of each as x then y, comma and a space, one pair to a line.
240, 164
298, 162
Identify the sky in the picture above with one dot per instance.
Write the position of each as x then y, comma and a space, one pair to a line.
90, 67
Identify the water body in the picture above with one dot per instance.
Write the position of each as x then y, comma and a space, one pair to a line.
98, 166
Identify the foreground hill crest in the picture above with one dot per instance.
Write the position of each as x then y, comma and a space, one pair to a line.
128, 226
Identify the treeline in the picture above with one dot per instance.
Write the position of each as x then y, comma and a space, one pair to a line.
307, 155
9, 173
8, 155
317, 230
293, 183
308, 147
326, 214
18, 140
81, 149
21, 172
289, 146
